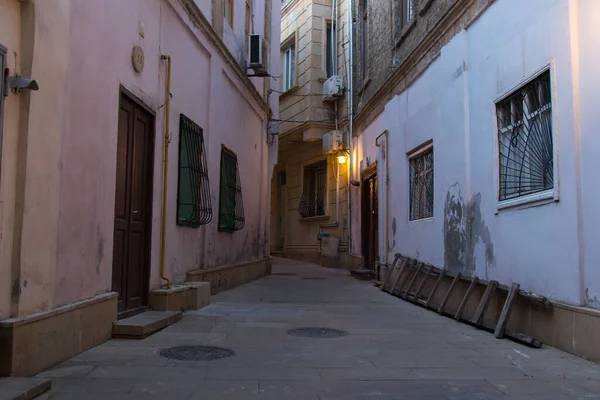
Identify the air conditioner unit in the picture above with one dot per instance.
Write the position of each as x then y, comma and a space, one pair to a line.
258, 55
332, 141
333, 88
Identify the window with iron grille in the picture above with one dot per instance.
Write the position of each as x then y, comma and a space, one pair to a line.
314, 190
406, 12
526, 152
421, 185
193, 189
364, 27
231, 207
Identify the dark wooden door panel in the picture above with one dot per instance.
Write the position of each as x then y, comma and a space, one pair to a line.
370, 221
133, 205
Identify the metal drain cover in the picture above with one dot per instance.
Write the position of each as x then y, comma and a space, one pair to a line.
315, 332
196, 353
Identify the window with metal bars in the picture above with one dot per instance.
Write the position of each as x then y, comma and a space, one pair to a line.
231, 207
406, 12
193, 188
314, 190
421, 185
526, 152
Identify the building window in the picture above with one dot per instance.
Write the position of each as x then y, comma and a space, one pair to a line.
421, 185
525, 140
314, 190
289, 67
229, 12
406, 12
365, 38
193, 189
330, 53
231, 207
248, 23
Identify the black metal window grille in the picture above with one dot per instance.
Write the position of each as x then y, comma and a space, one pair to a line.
525, 140
314, 191
231, 207
193, 189
421, 186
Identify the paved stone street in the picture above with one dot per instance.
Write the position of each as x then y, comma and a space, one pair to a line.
392, 350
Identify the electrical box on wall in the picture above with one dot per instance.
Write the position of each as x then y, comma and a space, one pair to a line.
333, 88
332, 142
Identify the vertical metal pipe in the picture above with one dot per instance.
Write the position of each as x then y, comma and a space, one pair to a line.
163, 233
350, 118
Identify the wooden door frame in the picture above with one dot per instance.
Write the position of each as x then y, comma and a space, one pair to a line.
124, 92
367, 174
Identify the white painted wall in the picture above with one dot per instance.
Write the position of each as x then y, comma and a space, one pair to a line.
543, 248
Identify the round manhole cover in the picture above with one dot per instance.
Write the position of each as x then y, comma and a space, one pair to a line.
315, 332
196, 353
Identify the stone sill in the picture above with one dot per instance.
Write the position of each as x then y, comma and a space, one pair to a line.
317, 218
224, 267
424, 6
405, 31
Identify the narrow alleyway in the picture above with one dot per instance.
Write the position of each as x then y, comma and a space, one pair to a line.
391, 350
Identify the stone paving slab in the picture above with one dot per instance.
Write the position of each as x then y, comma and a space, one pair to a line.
392, 350
22, 388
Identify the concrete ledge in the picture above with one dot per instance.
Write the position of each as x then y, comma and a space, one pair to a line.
23, 388
145, 324
189, 296
62, 332
229, 276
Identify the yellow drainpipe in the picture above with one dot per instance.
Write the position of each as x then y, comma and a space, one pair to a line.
387, 190
163, 232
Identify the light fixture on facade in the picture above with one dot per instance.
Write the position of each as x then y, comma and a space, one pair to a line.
341, 159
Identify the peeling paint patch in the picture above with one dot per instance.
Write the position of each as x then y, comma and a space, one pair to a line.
464, 228
394, 227
455, 239
591, 301
477, 230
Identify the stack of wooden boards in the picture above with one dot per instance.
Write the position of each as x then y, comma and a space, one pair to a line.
407, 278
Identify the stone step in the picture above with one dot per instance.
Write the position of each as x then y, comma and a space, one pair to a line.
362, 274
23, 388
145, 324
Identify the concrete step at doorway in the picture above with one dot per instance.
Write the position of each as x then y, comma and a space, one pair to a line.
145, 324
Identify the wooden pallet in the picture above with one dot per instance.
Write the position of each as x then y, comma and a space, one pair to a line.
403, 274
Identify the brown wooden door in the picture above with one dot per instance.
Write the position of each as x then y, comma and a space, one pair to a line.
133, 206
370, 218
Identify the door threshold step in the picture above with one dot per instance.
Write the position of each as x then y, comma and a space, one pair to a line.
23, 388
145, 324
362, 274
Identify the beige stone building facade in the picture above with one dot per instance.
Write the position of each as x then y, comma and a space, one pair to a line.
309, 215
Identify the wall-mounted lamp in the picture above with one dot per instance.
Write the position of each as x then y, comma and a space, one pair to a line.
341, 159
17, 83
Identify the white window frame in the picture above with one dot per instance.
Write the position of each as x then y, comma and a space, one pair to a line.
289, 64
415, 153
547, 196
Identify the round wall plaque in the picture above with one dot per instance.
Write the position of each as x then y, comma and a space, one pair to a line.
137, 58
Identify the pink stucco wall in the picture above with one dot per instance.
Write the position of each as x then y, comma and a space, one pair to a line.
97, 60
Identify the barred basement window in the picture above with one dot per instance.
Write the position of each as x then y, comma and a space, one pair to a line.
421, 186
193, 189
525, 140
312, 202
231, 207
